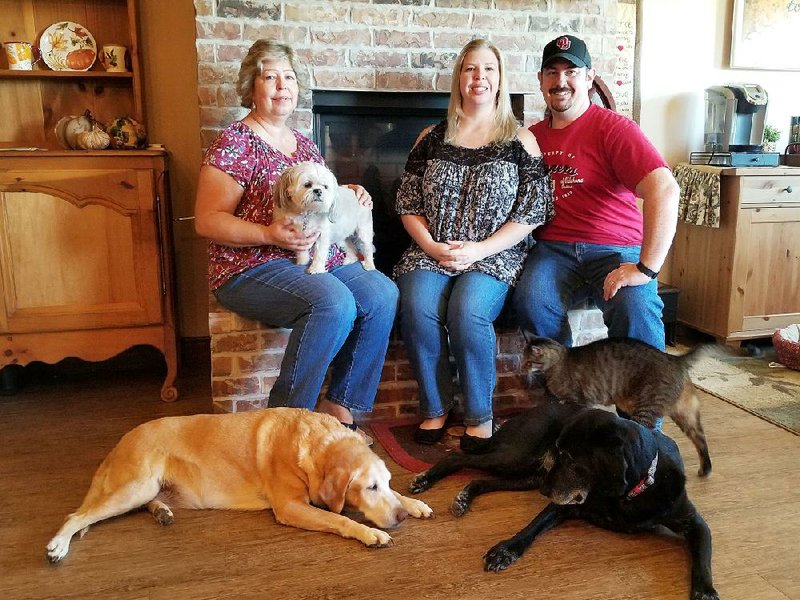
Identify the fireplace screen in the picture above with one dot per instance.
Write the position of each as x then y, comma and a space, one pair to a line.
365, 138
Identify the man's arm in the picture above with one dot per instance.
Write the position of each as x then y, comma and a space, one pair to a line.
660, 194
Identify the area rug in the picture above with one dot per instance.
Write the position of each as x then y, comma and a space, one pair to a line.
755, 384
396, 436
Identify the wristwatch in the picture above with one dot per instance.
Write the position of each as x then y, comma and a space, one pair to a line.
649, 272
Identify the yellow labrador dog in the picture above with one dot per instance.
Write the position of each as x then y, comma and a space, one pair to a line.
288, 459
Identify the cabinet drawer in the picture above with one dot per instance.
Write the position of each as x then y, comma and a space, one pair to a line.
777, 190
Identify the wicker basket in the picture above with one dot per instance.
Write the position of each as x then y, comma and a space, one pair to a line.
786, 342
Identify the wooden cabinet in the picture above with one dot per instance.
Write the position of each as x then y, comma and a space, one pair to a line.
742, 280
85, 267
85, 241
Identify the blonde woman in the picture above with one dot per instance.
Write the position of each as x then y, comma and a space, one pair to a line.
474, 188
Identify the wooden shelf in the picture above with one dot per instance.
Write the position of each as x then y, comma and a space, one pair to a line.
152, 151
43, 74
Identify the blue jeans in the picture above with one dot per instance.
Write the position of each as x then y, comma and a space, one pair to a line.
342, 319
558, 275
440, 315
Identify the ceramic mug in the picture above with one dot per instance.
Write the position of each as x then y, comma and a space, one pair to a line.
20, 55
114, 57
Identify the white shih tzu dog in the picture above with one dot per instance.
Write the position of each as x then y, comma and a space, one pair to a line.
309, 195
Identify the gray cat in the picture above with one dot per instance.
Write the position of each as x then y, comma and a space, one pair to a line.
640, 380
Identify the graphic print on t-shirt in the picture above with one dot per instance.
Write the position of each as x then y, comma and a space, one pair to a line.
565, 176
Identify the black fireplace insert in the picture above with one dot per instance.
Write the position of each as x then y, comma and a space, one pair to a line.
365, 138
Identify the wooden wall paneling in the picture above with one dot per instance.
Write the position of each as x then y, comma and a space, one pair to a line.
23, 115
105, 98
136, 62
16, 25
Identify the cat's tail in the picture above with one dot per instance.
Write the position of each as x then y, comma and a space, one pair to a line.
687, 359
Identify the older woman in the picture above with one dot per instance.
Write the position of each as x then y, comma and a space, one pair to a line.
341, 318
474, 188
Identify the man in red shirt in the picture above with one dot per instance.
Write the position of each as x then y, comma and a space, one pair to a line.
599, 245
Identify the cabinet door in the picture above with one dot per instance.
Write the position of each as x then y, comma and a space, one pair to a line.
766, 271
78, 249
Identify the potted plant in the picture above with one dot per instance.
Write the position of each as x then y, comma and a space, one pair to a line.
771, 137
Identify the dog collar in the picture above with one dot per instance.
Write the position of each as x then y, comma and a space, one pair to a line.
646, 482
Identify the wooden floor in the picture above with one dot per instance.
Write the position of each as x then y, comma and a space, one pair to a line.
53, 434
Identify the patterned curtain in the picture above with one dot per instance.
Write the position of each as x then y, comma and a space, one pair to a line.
699, 202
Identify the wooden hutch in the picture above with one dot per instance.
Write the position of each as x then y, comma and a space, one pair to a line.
86, 266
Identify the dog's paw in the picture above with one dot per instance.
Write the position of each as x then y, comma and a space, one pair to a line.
57, 548
369, 264
417, 508
315, 269
704, 594
375, 538
164, 516
420, 483
460, 504
500, 557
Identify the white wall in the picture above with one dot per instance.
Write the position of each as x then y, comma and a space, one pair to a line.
685, 48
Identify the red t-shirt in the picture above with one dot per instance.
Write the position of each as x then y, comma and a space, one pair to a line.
596, 163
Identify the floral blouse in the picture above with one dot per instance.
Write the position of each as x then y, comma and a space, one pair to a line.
255, 165
469, 194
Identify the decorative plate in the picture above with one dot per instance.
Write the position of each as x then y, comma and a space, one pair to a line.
67, 46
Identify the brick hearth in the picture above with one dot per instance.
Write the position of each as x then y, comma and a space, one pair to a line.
246, 358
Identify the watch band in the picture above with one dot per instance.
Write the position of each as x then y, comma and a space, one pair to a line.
649, 272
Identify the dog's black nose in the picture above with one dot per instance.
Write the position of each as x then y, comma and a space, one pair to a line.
317, 193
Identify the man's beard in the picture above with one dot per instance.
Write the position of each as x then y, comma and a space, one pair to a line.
564, 103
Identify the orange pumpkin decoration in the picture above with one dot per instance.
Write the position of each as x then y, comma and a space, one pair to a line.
80, 60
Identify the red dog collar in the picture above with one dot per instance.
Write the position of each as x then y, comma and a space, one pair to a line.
646, 482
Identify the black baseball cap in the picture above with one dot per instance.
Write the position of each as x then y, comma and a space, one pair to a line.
569, 48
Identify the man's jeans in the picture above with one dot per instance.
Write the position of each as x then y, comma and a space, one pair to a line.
342, 319
558, 275
440, 315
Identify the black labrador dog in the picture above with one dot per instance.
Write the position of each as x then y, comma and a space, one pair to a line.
593, 465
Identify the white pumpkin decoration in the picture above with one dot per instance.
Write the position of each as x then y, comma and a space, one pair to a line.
74, 126
69, 128
96, 139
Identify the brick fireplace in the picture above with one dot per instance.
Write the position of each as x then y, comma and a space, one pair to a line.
382, 48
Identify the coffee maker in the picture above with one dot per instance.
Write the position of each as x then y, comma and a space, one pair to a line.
734, 126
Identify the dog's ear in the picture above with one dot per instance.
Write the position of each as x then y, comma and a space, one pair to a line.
280, 191
618, 470
333, 185
333, 490
612, 452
